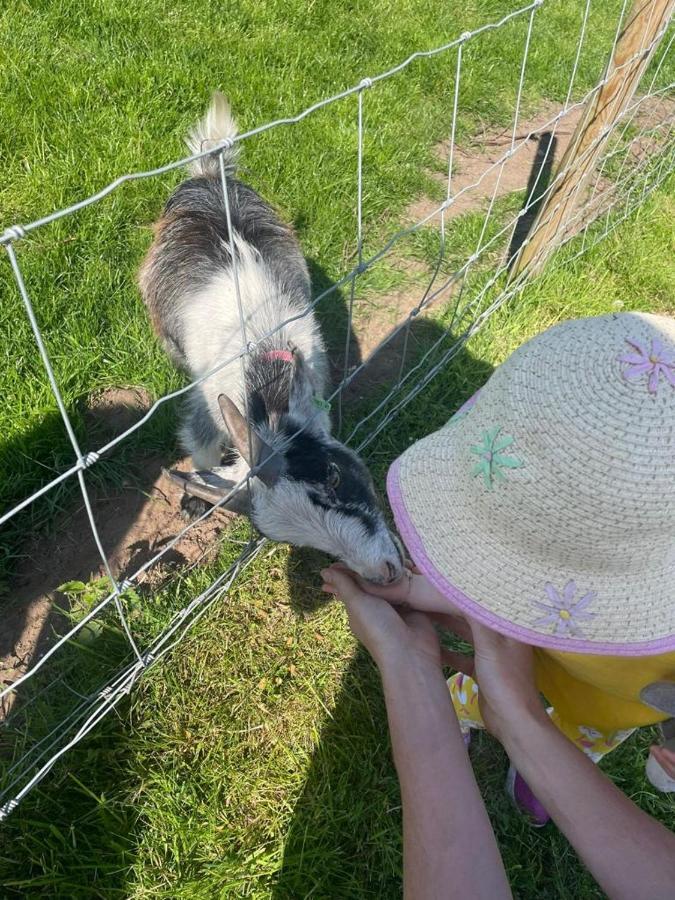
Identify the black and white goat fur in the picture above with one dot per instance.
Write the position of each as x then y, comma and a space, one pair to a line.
310, 490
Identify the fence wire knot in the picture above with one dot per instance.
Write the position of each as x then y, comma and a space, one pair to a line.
90, 458
7, 808
366, 83
14, 233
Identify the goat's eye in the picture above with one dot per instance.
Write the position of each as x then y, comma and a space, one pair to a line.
333, 477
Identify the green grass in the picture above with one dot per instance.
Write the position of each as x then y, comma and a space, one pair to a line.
255, 762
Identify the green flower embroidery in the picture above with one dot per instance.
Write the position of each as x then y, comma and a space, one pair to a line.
492, 460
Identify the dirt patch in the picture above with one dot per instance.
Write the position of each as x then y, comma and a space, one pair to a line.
113, 410
477, 176
134, 524
474, 181
389, 355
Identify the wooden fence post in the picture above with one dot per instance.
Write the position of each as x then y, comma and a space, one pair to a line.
631, 56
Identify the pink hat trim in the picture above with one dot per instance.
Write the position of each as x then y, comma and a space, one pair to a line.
414, 543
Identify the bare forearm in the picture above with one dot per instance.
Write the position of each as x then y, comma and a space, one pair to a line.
630, 854
449, 847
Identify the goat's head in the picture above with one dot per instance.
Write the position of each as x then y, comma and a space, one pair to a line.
308, 489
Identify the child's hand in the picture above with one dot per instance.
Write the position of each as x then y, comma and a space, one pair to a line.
413, 590
394, 637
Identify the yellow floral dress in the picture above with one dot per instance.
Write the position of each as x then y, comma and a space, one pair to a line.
594, 700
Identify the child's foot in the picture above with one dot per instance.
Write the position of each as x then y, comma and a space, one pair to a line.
660, 768
524, 799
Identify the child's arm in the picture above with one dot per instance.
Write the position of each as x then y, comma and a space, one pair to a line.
449, 849
631, 855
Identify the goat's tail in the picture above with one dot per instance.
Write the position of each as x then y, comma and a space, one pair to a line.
217, 126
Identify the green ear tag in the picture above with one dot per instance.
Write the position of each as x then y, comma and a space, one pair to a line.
322, 404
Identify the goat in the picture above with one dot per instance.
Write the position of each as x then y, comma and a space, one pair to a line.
306, 488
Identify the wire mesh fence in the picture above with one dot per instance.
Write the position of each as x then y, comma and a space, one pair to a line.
628, 159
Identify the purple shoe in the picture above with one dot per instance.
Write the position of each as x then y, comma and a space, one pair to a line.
524, 799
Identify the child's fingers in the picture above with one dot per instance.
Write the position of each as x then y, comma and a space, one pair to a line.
339, 582
342, 567
394, 593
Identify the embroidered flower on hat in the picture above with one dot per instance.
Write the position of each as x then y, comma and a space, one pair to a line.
654, 364
492, 460
563, 612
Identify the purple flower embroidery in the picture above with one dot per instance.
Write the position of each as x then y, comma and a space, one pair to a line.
654, 364
563, 612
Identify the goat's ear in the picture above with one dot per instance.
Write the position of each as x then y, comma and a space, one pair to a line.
237, 427
251, 448
303, 389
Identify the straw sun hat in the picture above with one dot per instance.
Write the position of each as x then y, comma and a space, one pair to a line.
545, 507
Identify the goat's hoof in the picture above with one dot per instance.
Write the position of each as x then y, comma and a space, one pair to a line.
193, 508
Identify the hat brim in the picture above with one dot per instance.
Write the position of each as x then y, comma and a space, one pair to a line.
462, 546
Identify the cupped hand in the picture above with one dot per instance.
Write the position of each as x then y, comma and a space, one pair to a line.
413, 590
393, 635
391, 631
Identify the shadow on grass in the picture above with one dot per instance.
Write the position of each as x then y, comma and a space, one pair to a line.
71, 836
51, 542
345, 836
76, 835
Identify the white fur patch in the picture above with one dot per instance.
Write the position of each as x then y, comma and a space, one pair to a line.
217, 125
212, 329
285, 513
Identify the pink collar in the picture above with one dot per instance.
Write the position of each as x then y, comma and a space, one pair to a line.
283, 355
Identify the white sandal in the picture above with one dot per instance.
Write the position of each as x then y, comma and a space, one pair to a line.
661, 695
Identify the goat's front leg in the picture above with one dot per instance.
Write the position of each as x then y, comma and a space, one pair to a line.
225, 479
